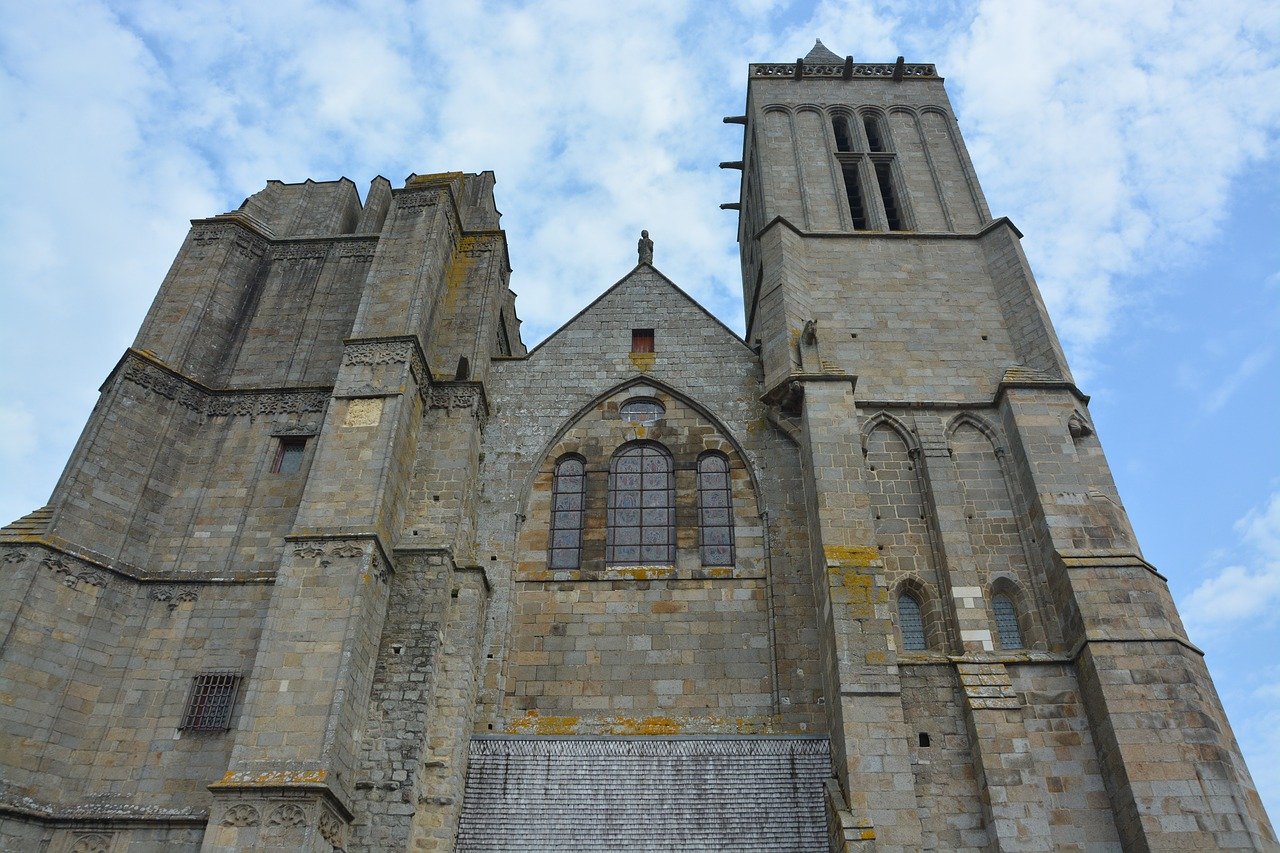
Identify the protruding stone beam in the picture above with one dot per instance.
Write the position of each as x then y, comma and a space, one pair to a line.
731, 164
735, 120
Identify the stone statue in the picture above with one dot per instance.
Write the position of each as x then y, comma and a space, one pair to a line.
645, 248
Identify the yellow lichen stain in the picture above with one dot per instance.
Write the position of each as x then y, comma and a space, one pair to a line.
877, 658
233, 778
861, 596
643, 360
719, 572
642, 726
534, 723
642, 573
641, 430
857, 555
868, 835
433, 178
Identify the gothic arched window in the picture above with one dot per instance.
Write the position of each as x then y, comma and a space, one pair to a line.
1006, 622
911, 624
642, 501
715, 510
568, 492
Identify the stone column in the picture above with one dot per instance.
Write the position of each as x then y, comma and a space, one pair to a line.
869, 737
289, 783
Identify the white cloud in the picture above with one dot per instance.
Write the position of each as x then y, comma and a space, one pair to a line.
1244, 591
1106, 131
1229, 385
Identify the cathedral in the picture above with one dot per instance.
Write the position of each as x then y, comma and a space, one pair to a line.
338, 564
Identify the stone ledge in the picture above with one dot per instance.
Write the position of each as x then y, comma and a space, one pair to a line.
638, 573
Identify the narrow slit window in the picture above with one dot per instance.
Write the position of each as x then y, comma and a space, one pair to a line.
567, 496
715, 511
911, 623
1006, 622
853, 191
840, 126
211, 701
289, 456
875, 139
641, 529
884, 176
642, 340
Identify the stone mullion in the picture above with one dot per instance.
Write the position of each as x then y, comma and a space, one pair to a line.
869, 733
962, 595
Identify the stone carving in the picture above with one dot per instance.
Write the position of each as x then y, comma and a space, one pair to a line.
346, 549
157, 381
331, 828
361, 250
417, 200
161, 593
389, 352
287, 816
186, 596
14, 557
1078, 426
833, 70
241, 814
310, 250
71, 573
343, 549
205, 233
274, 403
92, 842
468, 396
644, 248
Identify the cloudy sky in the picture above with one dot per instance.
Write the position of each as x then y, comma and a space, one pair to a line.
1134, 143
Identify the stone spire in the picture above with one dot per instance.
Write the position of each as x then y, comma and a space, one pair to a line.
822, 55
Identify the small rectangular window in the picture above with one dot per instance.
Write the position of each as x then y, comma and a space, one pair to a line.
211, 701
884, 176
642, 340
289, 456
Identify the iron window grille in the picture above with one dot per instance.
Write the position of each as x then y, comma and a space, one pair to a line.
641, 527
715, 511
567, 496
211, 701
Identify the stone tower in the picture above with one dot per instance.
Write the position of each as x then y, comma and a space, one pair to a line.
337, 564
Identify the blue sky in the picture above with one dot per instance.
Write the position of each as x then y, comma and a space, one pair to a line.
1134, 144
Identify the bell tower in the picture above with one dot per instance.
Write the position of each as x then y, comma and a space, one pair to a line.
967, 539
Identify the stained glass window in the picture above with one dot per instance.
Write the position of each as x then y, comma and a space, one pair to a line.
642, 501
567, 495
911, 623
715, 510
1006, 622
642, 410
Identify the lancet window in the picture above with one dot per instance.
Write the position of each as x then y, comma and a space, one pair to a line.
568, 494
715, 510
641, 528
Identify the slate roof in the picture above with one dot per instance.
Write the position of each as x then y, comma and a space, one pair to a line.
645, 794
820, 54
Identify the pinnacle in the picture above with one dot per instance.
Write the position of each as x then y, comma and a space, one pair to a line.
822, 55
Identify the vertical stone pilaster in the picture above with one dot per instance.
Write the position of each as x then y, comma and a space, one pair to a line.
962, 592
869, 737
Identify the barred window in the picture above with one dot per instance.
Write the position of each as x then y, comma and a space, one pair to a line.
715, 510
211, 701
568, 493
289, 455
911, 623
641, 527
1006, 622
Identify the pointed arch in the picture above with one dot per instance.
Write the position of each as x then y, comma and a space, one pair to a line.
932, 633
970, 419
882, 418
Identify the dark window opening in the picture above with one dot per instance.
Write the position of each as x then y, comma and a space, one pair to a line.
464, 369
504, 341
715, 511
211, 701
1006, 622
641, 529
884, 176
924, 739
844, 141
567, 496
642, 340
853, 191
289, 456
875, 139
